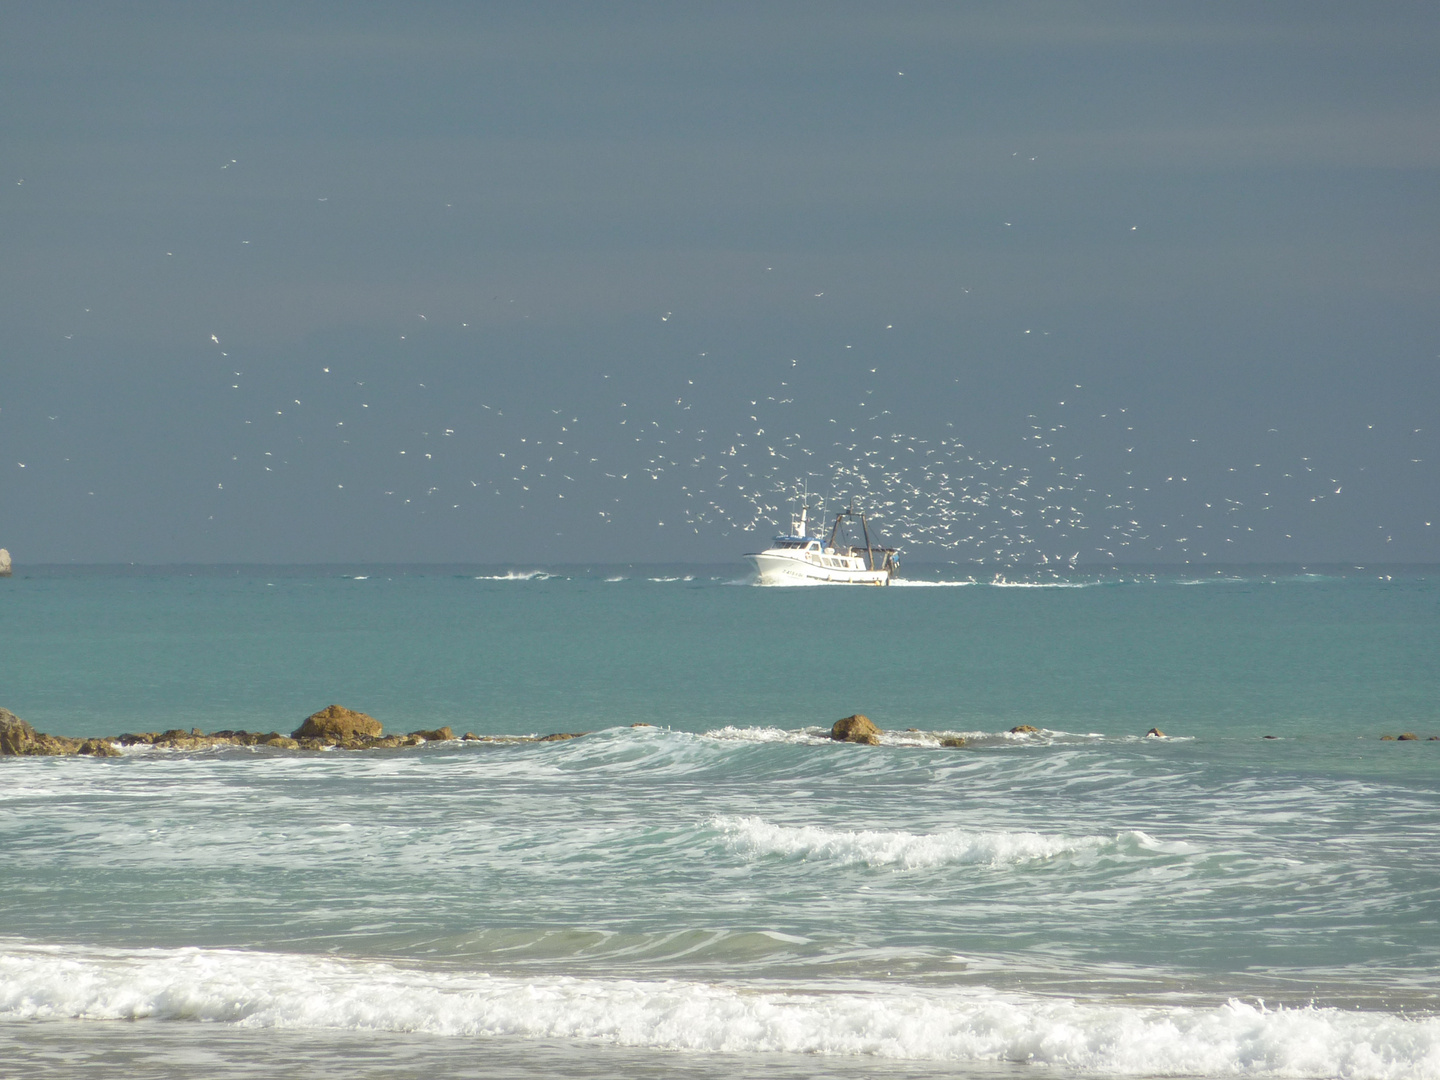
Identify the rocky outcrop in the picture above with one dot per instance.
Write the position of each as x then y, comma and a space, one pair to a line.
337, 723
1408, 736
4, 563
1024, 729
19, 739
856, 729
953, 740
1154, 733
340, 729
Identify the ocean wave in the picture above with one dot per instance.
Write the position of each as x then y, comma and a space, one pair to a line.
516, 575
977, 1024
907, 850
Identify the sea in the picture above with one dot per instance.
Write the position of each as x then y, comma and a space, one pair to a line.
705, 885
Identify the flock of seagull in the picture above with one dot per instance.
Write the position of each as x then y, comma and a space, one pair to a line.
713, 464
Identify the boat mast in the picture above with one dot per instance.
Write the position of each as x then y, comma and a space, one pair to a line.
869, 556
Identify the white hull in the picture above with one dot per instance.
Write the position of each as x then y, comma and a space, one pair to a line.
795, 567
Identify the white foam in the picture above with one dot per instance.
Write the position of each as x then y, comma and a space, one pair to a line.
913, 583
1001, 583
516, 575
274, 990
897, 848
730, 733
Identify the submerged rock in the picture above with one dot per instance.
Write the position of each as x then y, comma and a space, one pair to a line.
1154, 733
561, 736
1024, 729
856, 729
952, 740
443, 734
337, 722
1409, 736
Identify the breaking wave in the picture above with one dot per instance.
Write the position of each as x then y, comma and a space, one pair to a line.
907, 850
977, 1024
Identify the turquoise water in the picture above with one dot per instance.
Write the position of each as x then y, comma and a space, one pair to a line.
727, 892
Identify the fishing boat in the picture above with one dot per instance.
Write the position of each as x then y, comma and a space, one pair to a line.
844, 559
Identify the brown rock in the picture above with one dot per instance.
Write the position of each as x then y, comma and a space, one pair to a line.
952, 740
1409, 736
99, 748
856, 729
561, 736
337, 722
1387, 738
1024, 729
279, 742
18, 738
443, 734
1154, 733
470, 736
642, 725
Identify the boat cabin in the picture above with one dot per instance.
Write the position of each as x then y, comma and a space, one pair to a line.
798, 543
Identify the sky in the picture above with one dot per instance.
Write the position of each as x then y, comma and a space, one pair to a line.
493, 283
